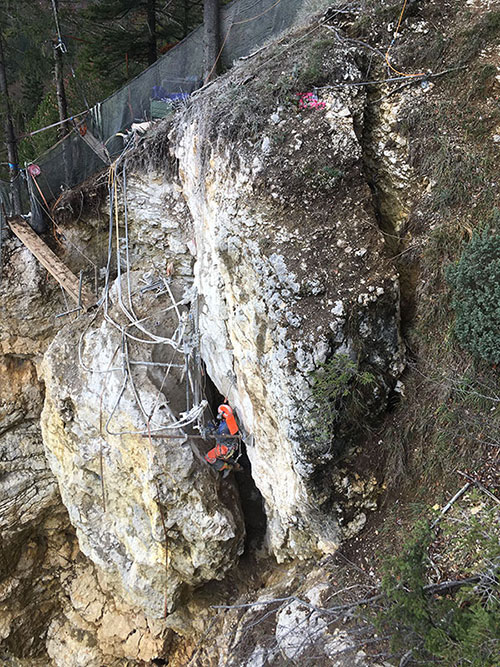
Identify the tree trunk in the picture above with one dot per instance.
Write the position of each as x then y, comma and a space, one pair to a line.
211, 23
152, 50
10, 137
62, 104
185, 17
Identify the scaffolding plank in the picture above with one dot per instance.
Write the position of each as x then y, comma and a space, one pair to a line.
49, 260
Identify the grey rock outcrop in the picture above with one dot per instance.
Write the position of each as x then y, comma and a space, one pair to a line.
147, 513
290, 270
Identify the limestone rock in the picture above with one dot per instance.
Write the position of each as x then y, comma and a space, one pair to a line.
95, 628
122, 491
28, 302
35, 543
277, 251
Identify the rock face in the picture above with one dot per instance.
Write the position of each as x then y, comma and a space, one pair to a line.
96, 628
262, 264
27, 306
289, 621
291, 272
36, 541
146, 511
27, 485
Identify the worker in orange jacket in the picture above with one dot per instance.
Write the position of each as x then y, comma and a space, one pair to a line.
223, 456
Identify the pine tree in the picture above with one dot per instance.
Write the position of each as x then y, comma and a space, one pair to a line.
125, 36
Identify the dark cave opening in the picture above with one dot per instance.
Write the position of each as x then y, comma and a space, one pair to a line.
252, 503
393, 400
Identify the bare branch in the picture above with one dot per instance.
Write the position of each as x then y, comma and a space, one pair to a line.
257, 604
406, 658
446, 585
480, 486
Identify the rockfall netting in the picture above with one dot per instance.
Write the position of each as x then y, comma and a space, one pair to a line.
245, 24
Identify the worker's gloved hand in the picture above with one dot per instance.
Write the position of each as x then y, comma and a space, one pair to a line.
208, 430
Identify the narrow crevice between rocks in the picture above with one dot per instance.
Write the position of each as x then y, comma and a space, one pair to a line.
383, 203
372, 169
252, 503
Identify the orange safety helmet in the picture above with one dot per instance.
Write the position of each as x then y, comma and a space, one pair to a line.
227, 414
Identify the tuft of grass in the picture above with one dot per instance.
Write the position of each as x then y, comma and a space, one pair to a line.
479, 35
321, 177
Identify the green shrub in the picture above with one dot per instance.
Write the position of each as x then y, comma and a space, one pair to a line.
406, 613
475, 281
337, 394
463, 629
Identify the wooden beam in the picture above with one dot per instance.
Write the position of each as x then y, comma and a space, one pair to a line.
49, 260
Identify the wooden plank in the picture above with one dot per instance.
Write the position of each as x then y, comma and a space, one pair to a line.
50, 261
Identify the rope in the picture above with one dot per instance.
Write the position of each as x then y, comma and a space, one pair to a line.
153, 339
190, 415
49, 127
391, 44
41, 194
60, 44
163, 383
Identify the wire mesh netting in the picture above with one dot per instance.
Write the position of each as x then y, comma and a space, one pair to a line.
245, 24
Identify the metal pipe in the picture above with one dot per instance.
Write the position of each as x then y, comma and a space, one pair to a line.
68, 312
156, 363
80, 290
218, 436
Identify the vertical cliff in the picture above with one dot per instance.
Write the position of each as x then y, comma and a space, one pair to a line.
256, 248
259, 275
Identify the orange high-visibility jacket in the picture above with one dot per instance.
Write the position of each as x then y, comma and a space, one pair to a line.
219, 452
229, 418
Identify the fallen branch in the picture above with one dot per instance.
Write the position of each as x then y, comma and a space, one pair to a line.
406, 658
254, 53
480, 486
247, 605
446, 585
293, 598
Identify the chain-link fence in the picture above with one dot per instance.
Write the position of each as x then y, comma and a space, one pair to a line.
245, 24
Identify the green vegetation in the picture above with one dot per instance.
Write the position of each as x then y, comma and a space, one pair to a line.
475, 281
123, 37
438, 625
337, 393
320, 176
476, 37
107, 42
